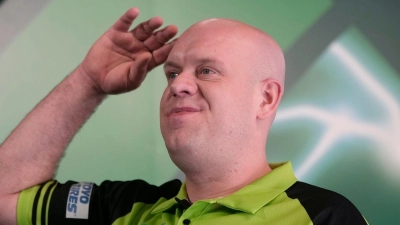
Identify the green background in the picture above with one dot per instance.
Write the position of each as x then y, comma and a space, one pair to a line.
122, 141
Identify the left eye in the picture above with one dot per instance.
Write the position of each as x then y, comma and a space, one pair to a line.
206, 71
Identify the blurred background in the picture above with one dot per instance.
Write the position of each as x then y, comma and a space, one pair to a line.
339, 121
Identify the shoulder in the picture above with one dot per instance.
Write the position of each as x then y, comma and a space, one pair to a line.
89, 202
325, 206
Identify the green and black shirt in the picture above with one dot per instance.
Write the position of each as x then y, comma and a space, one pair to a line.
276, 198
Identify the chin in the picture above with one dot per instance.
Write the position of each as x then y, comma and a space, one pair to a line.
175, 146
179, 146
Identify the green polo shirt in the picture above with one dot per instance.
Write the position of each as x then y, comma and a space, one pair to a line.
276, 198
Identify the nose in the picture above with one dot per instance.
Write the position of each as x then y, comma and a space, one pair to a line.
183, 85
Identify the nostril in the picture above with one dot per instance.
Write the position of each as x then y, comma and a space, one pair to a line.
183, 86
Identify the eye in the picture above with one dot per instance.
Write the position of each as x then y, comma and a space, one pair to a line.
206, 71
172, 75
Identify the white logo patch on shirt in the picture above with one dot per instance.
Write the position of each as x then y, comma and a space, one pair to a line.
78, 200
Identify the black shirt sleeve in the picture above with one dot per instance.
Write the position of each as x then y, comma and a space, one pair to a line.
86, 203
325, 207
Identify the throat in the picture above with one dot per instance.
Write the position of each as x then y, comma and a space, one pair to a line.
219, 185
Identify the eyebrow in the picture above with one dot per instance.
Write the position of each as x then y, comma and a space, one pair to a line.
197, 61
171, 64
209, 60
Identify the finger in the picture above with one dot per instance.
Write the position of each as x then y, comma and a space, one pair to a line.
125, 21
160, 55
146, 29
138, 70
161, 37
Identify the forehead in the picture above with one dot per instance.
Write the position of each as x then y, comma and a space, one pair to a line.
207, 46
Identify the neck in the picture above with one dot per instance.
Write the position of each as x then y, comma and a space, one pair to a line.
224, 181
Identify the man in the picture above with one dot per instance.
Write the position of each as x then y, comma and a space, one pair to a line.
225, 81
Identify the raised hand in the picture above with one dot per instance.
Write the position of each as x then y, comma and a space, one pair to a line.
120, 59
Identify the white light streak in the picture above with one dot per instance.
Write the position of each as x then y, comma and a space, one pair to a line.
367, 79
342, 125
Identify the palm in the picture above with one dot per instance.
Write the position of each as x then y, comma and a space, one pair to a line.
119, 61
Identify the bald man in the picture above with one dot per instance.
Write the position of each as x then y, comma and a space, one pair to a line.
225, 81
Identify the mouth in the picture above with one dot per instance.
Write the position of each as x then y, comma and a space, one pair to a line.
182, 111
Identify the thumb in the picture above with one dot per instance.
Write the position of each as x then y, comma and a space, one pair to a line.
138, 69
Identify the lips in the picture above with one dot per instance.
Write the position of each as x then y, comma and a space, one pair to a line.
182, 110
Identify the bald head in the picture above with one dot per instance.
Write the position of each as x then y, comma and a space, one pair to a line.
261, 51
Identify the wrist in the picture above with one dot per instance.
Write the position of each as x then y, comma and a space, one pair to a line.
79, 78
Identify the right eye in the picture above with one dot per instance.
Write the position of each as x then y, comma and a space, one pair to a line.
172, 75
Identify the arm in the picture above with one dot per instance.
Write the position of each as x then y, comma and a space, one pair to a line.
118, 62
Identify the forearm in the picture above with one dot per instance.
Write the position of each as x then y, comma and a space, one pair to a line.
31, 153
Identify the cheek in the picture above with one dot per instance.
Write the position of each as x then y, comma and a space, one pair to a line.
164, 98
239, 105
162, 113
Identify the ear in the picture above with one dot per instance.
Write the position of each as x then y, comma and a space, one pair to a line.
271, 91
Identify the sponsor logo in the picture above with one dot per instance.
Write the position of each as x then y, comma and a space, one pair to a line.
78, 200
